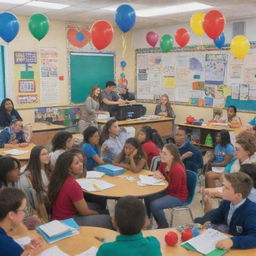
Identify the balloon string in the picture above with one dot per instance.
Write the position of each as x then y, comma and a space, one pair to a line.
124, 44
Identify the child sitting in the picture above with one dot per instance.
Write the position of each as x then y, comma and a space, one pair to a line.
130, 218
132, 156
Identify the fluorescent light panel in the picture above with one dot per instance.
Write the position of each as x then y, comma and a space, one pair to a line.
14, 1
47, 5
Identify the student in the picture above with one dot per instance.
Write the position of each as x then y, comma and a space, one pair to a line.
90, 147
190, 155
125, 95
12, 212
151, 142
113, 140
132, 156
61, 142
8, 113
237, 212
13, 136
172, 170
66, 195
231, 115
130, 218
164, 108
80, 154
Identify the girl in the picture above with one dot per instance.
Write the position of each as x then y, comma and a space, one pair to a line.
164, 108
61, 142
80, 154
151, 142
132, 156
66, 196
114, 139
90, 147
172, 170
8, 113
231, 115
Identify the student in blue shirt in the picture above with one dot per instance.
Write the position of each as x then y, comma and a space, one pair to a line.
90, 147
129, 219
12, 212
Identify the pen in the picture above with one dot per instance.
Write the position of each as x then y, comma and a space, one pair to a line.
101, 239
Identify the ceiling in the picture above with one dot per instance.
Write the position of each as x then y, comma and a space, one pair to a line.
88, 11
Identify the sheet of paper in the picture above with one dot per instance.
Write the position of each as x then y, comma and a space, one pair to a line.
93, 185
54, 228
53, 251
218, 169
23, 240
15, 152
149, 180
94, 174
90, 252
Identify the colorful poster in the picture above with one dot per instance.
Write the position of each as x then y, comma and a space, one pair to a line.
244, 92
169, 82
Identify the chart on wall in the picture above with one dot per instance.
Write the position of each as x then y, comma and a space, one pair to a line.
197, 77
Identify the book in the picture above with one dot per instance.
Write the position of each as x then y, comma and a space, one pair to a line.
110, 169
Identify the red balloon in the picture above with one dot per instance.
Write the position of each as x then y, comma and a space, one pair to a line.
186, 234
171, 238
101, 34
214, 23
182, 37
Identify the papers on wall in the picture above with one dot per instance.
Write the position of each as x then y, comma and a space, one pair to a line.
90, 252
15, 152
93, 185
94, 174
53, 251
149, 181
23, 240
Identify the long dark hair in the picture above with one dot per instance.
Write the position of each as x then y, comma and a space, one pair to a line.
7, 164
89, 132
105, 131
59, 175
2, 107
153, 135
224, 138
59, 140
34, 167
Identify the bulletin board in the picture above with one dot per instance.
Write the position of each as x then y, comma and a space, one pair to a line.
198, 76
88, 69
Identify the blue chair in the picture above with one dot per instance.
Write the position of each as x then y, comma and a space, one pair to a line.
191, 185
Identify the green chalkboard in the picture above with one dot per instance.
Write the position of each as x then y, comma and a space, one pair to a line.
88, 69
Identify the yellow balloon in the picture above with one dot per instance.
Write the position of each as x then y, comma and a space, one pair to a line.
240, 46
196, 23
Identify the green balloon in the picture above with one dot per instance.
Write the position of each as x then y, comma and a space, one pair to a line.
166, 43
38, 25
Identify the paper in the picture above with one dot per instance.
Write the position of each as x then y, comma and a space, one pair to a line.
23, 241
94, 174
53, 251
149, 180
93, 185
54, 228
169, 82
15, 152
90, 252
218, 169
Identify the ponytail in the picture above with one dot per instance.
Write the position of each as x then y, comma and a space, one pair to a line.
156, 138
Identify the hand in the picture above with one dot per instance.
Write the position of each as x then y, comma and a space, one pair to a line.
23, 144
104, 149
14, 142
249, 128
35, 243
121, 101
225, 244
158, 175
206, 224
134, 152
186, 155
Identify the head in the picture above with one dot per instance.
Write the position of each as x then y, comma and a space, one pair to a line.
6, 105
231, 111
95, 92
62, 140
237, 186
223, 138
12, 206
250, 170
130, 215
122, 89
164, 99
111, 86
170, 154
180, 136
80, 154
146, 133
91, 135
9, 170
111, 128
16, 126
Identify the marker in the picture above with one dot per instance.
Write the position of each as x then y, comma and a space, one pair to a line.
101, 239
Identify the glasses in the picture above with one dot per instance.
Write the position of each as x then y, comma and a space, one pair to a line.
21, 210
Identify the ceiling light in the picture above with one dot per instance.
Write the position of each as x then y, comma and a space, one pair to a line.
14, 1
47, 5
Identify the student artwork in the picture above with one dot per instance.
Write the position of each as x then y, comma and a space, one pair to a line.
196, 23
122, 80
102, 34
152, 38
166, 43
208, 141
78, 38
9, 26
220, 41
38, 25
240, 46
182, 37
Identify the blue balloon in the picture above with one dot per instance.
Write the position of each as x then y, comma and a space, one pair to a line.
9, 26
220, 41
125, 17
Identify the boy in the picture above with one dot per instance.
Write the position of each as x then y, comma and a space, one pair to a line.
237, 212
130, 218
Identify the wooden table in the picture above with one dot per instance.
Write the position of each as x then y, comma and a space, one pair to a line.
125, 187
164, 125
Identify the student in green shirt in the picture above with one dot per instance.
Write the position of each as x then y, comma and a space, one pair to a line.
130, 218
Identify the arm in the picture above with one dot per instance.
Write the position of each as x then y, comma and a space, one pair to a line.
4, 139
89, 105
83, 209
98, 160
137, 167
110, 102
171, 113
227, 159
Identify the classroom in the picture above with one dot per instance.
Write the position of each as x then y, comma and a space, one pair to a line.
127, 128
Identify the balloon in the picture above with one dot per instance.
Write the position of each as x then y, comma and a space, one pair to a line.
220, 41
123, 63
196, 23
102, 34
152, 38
214, 23
166, 43
125, 17
38, 25
240, 46
9, 26
182, 37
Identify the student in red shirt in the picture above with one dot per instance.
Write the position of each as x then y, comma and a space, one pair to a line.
172, 170
151, 142
66, 195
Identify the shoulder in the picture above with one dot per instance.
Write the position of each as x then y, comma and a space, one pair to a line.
178, 167
9, 246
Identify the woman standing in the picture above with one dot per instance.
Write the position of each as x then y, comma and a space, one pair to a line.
164, 108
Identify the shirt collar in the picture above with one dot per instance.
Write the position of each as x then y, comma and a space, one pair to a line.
234, 207
129, 237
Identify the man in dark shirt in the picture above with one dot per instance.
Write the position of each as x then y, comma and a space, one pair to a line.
125, 94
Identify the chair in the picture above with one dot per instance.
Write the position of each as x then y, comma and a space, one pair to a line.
191, 184
155, 163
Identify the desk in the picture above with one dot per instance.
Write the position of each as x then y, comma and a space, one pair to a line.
125, 187
164, 125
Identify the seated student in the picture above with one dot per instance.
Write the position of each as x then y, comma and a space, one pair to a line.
61, 142
66, 196
190, 155
8, 113
164, 108
151, 142
132, 156
231, 115
129, 219
113, 140
236, 212
90, 147
80, 154
13, 136
172, 170
12, 212
125, 95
